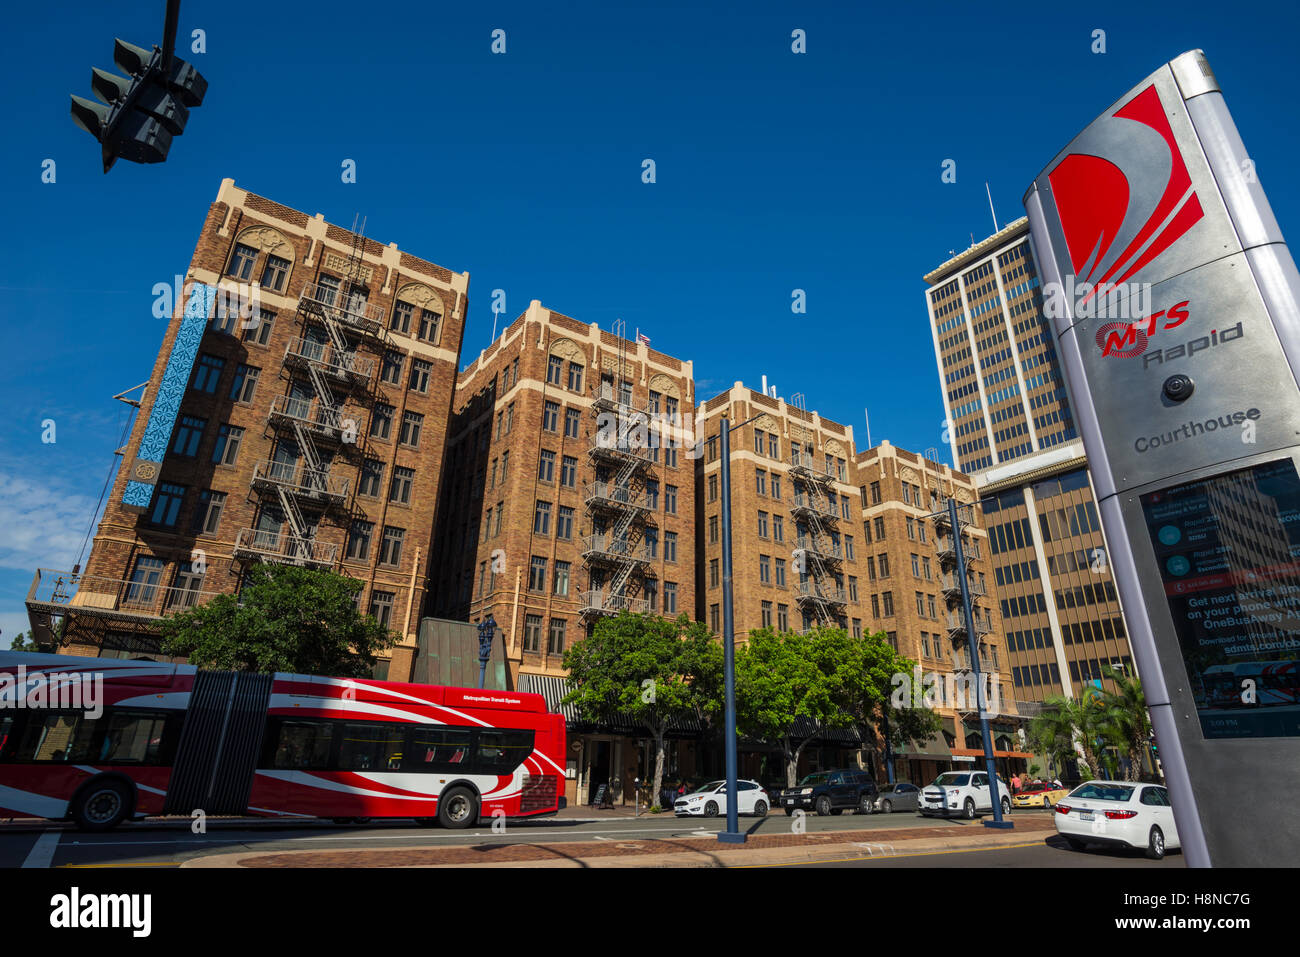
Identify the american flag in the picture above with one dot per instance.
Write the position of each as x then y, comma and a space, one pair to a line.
642, 338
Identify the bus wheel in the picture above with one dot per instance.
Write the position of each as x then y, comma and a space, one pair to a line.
458, 808
101, 806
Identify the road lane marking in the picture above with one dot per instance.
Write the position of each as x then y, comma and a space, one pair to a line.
42, 852
895, 857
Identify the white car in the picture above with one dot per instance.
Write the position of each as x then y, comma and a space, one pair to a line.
1120, 814
710, 800
964, 794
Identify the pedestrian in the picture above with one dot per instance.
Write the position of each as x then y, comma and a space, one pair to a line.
1015, 781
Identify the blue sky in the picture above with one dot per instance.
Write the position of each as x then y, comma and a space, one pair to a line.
775, 172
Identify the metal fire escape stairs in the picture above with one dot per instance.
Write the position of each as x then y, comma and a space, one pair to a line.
812, 486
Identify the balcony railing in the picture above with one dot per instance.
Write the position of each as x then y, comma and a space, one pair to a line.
351, 310
283, 547
807, 466
56, 592
609, 399
827, 551
602, 603
616, 496
815, 504
341, 365
608, 548
951, 584
827, 593
943, 545
957, 623
620, 445
324, 420
298, 478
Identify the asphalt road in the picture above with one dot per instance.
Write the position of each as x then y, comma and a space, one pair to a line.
1044, 852
167, 844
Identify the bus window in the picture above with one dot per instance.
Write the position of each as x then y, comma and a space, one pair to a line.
303, 744
500, 752
56, 736
438, 749
371, 747
133, 738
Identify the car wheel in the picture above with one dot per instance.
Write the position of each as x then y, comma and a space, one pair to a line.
789, 812
887, 807
968, 810
1047, 803
760, 809
866, 805
1075, 844
1006, 807
711, 809
458, 808
823, 806
102, 806
1156, 844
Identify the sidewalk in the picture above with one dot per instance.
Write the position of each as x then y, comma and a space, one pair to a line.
760, 850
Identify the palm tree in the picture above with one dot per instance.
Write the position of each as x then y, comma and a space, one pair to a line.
1068, 728
1126, 722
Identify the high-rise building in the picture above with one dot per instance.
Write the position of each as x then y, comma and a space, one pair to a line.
1010, 425
915, 599
297, 413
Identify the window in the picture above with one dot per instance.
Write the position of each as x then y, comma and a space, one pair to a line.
670, 499
227, 448
766, 618
259, 332
857, 627
554, 370
381, 421
773, 446
571, 423
575, 377
420, 370
765, 569
144, 581
542, 518
402, 313
370, 747
188, 434
372, 477
274, 273
225, 317
537, 574
759, 444
241, 262
911, 528
399, 490
569, 471
564, 522
916, 565
713, 573
208, 373
760, 481
670, 598
651, 589
713, 529
429, 323
714, 619
390, 550
880, 528
780, 573
241, 390
391, 372
778, 528
550, 416
670, 546
652, 494
533, 633
651, 537
562, 578
783, 617
500, 752
381, 606
439, 750
167, 504
887, 601
848, 549
207, 515
411, 425
546, 466
713, 488
776, 485
883, 564
853, 588
359, 540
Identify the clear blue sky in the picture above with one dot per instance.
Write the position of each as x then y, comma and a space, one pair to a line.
775, 171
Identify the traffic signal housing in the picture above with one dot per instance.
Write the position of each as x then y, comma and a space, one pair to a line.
137, 115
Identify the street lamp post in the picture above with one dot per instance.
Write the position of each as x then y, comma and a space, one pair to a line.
487, 630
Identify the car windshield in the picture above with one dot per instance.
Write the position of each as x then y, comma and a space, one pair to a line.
819, 778
711, 786
1103, 792
952, 780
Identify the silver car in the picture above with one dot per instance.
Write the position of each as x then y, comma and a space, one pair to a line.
898, 797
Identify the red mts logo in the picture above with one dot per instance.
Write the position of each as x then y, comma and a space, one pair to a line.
1129, 339
1111, 207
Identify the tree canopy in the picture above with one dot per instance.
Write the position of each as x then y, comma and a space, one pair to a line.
286, 618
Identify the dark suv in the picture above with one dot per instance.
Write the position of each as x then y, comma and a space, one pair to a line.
831, 792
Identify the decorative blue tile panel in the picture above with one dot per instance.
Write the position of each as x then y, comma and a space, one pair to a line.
162, 417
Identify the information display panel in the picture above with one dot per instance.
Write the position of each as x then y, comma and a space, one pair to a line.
1228, 548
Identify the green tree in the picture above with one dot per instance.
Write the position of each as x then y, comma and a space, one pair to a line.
882, 698
285, 619
1071, 728
657, 670
783, 676
24, 641
1124, 716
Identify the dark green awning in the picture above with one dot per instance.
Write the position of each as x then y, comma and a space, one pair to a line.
936, 747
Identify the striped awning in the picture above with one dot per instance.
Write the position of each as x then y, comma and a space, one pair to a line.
554, 687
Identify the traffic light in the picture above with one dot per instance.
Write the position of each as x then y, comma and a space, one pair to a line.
138, 114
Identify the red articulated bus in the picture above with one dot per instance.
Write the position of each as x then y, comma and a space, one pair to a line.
100, 740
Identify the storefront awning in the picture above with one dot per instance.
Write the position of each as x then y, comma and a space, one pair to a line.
935, 748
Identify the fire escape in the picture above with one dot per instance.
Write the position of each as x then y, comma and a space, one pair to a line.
618, 503
945, 547
816, 515
311, 429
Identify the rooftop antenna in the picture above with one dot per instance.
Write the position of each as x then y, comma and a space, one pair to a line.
867, 414
991, 210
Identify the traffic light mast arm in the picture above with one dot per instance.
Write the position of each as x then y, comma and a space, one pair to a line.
169, 34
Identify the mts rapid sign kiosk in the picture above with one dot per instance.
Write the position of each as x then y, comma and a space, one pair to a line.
1174, 302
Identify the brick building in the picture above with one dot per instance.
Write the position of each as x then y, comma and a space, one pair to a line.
297, 412
568, 499
915, 599
1011, 428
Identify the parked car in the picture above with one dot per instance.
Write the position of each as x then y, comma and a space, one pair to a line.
1118, 814
832, 792
1039, 794
962, 793
902, 796
710, 800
